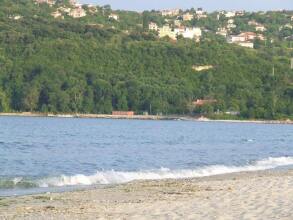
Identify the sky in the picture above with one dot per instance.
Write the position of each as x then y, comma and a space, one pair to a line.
209, 5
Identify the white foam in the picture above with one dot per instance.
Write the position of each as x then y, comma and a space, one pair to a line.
114, 177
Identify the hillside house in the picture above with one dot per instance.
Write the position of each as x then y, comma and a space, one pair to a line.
239, 13
114, 17
77, 12
260, 28
230, 14
92, 9
167, 31
153, 26
235, 39
123, 113
249, 36
222, 32
177, 22
199, 11
199, 16
187, 17
49, 2
170, 12
190, 33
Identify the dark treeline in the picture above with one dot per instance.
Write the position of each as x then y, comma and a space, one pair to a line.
50, 65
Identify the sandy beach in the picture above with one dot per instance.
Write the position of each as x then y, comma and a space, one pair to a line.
255, 195
143, 117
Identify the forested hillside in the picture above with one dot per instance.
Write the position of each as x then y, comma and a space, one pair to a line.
96, 65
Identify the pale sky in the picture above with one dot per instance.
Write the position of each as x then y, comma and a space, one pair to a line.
209, 5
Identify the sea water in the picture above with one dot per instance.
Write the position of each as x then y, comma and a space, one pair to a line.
47, 154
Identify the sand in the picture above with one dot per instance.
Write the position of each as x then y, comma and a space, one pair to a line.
257, 195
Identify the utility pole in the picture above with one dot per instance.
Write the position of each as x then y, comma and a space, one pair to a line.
273, 70
292, 63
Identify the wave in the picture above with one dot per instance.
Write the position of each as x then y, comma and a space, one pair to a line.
115, 177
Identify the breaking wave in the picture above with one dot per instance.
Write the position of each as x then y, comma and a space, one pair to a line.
116, 177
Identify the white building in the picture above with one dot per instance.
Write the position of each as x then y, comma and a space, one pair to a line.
236, 38
114, 17
170, 12
199, 11
190, 33
222, 32
177, 22
153, 26
187, 17
230, 14
260, 28
49, 2
77, 12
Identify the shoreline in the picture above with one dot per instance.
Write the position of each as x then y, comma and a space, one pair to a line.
245, 195
143, 117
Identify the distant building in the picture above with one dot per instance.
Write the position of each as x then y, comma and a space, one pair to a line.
251, 36
114, 17
199, 16
177, 22
191, 33
235, 38
230, 21
187, 17
239, 13
49, 2
222, 32
199, 11
167, 31
123, 113
260, 28
292, 18
153, 26
92, 9
170, 12
245, 39
77, 12
16, 17
230, 14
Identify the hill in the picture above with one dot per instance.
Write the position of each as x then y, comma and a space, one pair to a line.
96, 64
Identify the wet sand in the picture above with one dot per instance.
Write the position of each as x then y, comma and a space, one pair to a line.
256, 195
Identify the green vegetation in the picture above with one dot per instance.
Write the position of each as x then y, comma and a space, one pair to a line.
96, 65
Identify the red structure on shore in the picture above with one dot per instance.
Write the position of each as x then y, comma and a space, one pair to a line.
123, 113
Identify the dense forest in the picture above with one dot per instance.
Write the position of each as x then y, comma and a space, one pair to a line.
96, 65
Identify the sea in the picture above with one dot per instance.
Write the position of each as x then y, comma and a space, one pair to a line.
44, 154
